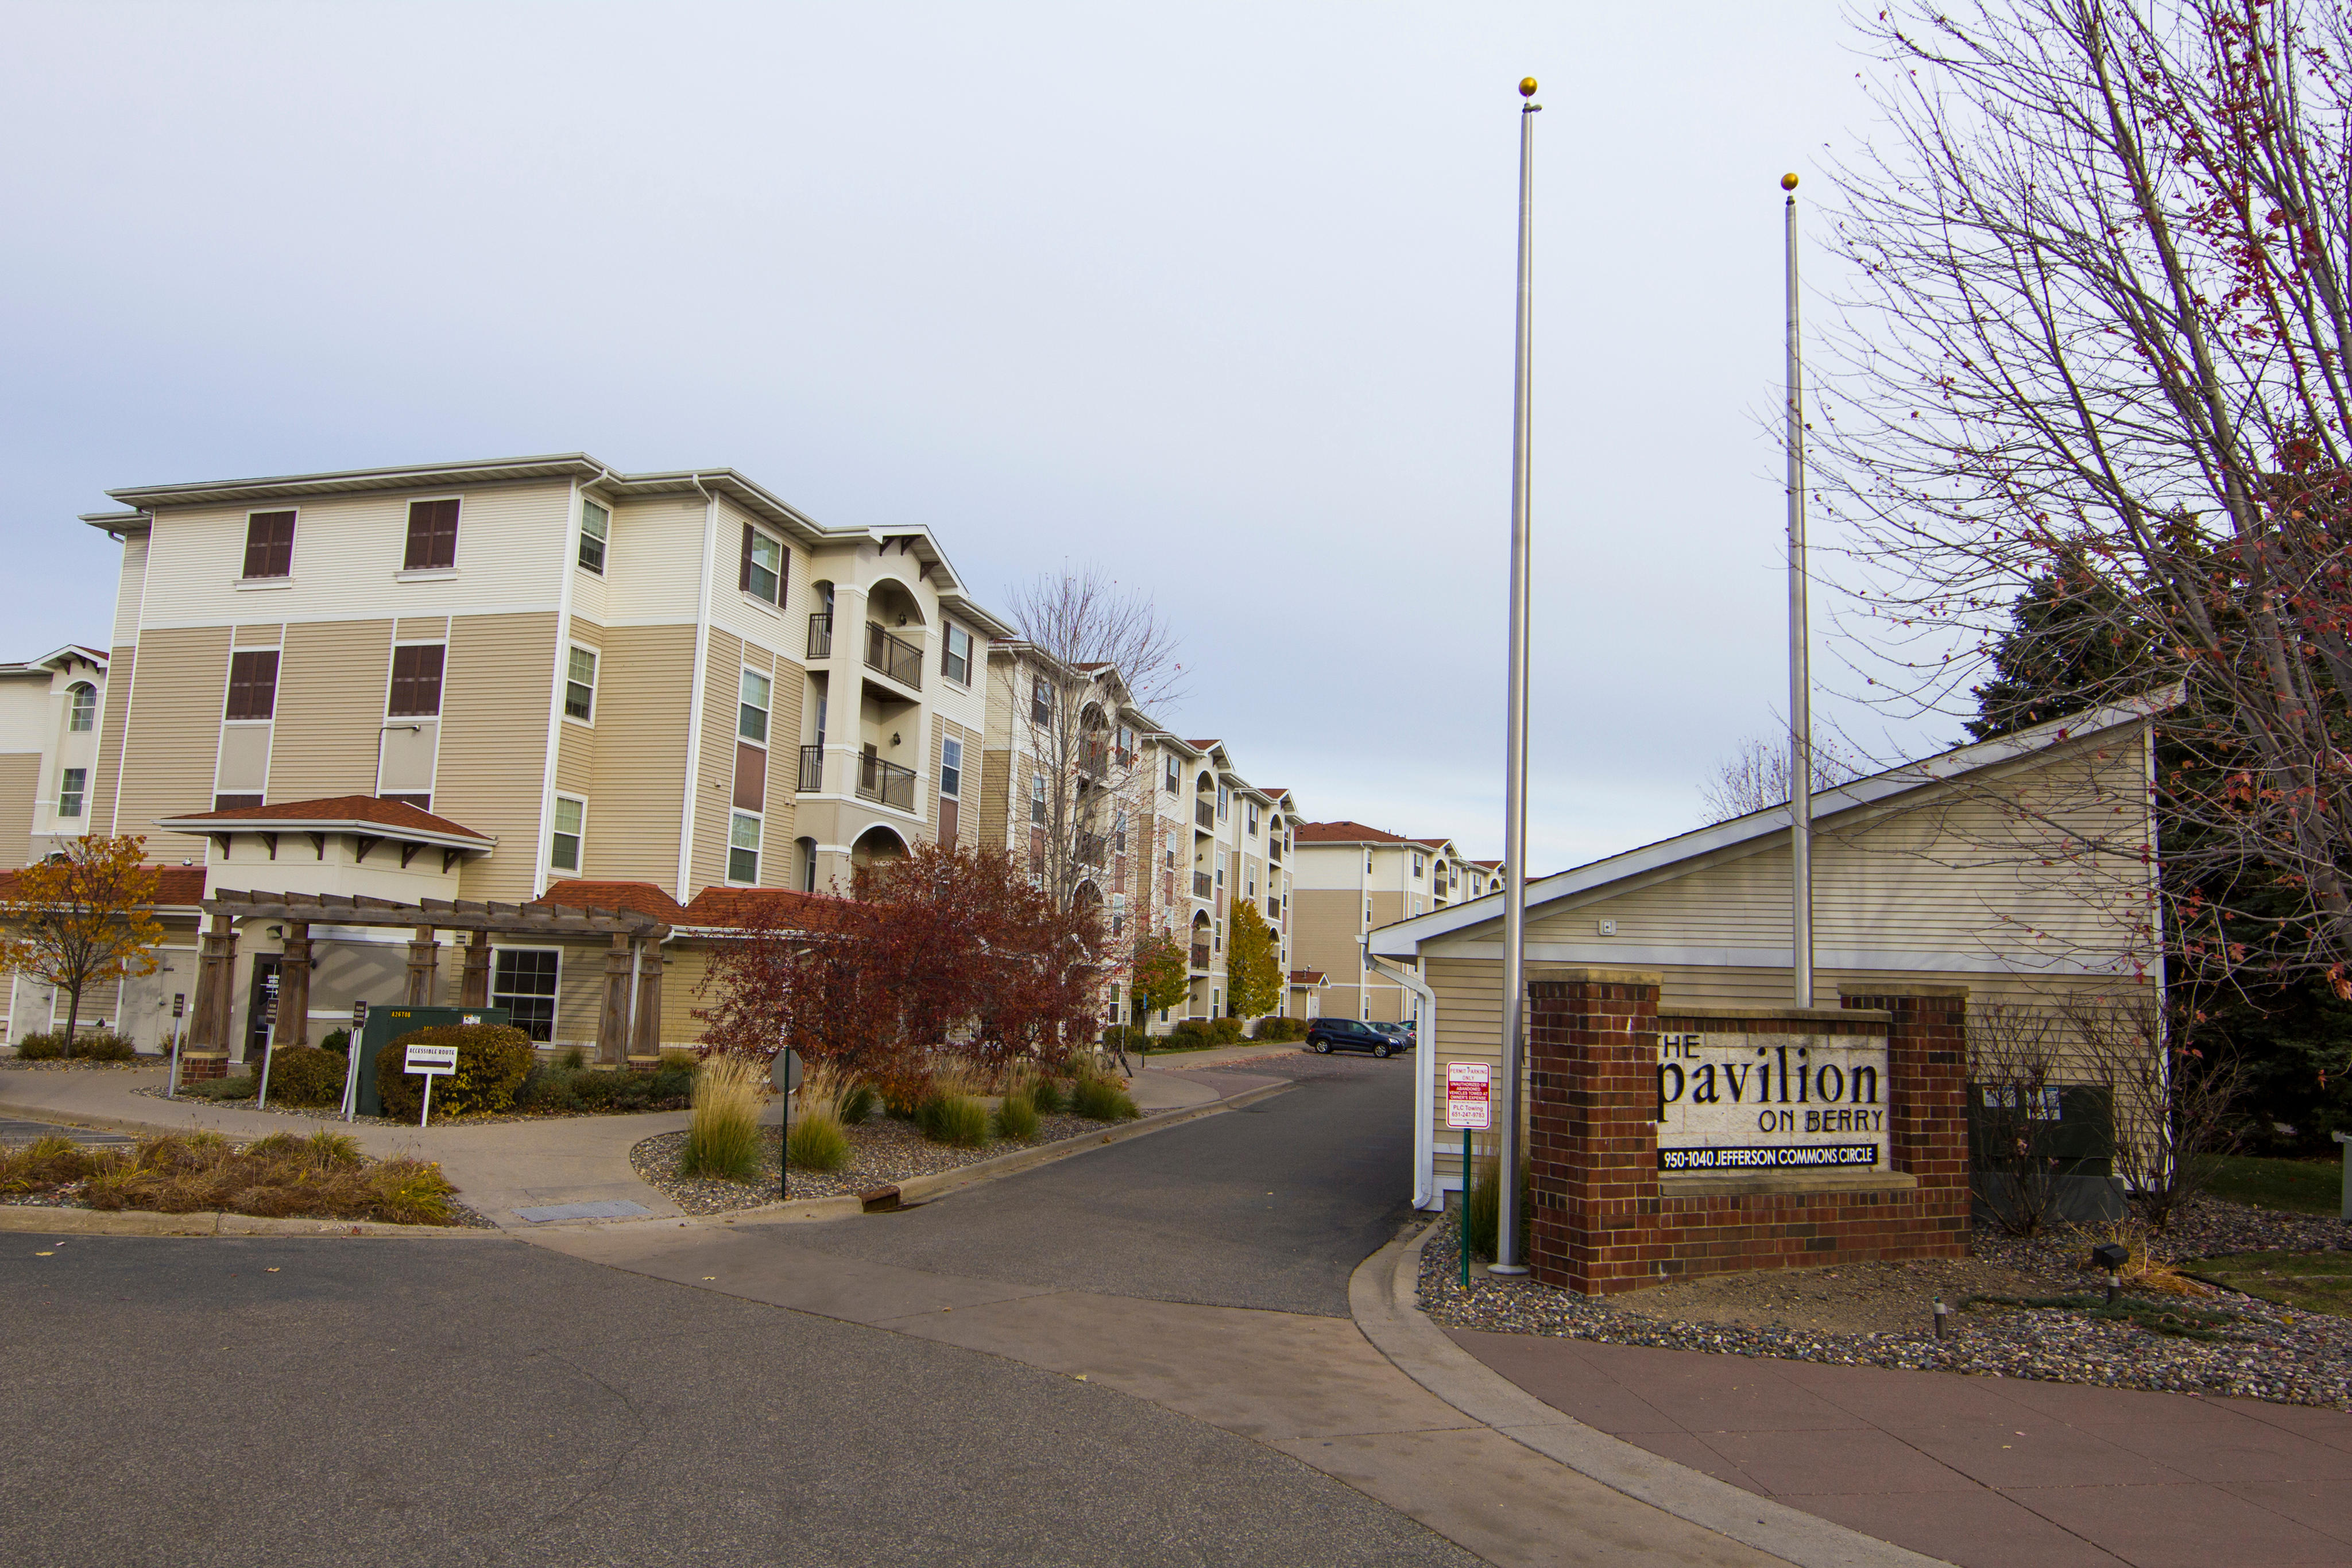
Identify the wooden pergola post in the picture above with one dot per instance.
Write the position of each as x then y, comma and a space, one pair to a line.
423, 964
477, 991
649, 1000
212, 978
613, 1024
294, 989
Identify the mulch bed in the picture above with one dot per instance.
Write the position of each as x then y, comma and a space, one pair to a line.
2256, 1350
882, 1150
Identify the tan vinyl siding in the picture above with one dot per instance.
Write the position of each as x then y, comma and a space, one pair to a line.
105, 770
130, 589
173, 735
579, 995
575, 749
330, 696
260, 634
421, 628
638, 788
496, 686
715, 784
20, 781
995, 799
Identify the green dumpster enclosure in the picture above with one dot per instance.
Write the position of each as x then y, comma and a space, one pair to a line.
386, 1024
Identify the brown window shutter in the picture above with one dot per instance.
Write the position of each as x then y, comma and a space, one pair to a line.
947, 823
269, 544
415, 681
744, 580
432, 536
252, 684
751, 778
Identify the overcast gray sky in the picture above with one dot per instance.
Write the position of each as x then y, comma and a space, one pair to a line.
1218, 298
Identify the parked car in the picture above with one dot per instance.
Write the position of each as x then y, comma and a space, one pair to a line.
1402, 1033
1325, 1036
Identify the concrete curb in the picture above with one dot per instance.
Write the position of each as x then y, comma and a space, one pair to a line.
34, 1220
923, 1189
1383, 1296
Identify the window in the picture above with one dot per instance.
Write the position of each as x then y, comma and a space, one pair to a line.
951, 768
269, 544
1041, 702
955, 658
1168, 781
751, 707
432, 536
1368, 912
763, 566
522, 981
1416, 866
1253, 819
563, 844
81, 708
1368, 863
595, 530
1223, 801
743, 848
252, 684
415, 680
580, 687
1036, 796
70, 791
236, 802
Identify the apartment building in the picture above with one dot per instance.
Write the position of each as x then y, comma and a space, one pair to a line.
1163, 832
48, 751
478, 680
1352, 879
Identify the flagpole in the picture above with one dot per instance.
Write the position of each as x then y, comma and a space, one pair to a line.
1515, 763
1800, 684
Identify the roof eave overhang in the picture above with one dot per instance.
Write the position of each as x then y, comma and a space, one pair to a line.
566, 466
198, 827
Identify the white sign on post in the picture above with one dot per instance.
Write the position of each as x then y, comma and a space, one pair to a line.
1468, 1104
429, 1062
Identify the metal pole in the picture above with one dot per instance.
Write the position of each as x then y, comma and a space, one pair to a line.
1800, 684
426, 1110
1515, 777
1462, 1213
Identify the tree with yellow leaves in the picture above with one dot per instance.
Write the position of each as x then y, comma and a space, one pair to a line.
83, 918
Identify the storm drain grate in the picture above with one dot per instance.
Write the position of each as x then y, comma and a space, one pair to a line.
618, 1208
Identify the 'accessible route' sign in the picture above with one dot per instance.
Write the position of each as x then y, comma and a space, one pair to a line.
1771, 1101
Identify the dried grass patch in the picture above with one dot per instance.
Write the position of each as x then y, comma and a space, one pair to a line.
284, 1176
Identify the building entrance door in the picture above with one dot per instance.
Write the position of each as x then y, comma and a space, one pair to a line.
262, 1011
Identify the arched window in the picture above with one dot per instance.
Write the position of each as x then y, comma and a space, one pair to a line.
83, 713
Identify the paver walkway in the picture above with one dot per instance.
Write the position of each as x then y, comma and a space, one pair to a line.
1984, 1472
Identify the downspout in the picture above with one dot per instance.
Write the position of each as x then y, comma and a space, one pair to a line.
1425, 1195
693, 704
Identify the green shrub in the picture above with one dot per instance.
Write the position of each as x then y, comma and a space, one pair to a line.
1226, 1030
236, 1086
575, 1058
546, 1089
1102, 1100
816, 1143
1017, 1118
492, 1062
724, 1139
40, 1047
337, 1040
956, 1119
308, 1075
103, 1046
857, 1103
1047, 1096
1479, 1210
1279, 1029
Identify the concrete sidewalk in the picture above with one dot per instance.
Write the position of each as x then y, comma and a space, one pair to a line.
1984, 1472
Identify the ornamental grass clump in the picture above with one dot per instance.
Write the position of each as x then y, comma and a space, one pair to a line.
724, 1138
1100, 1098
321, 1177
1017, 1118
1481, 1208
815, 1141
955, 1119
1045, 1094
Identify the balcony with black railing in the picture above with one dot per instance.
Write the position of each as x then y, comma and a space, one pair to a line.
1201, 956
812, 768
894, 657
1200, 884
1205, 814
886, 783
1091, 848
821, 635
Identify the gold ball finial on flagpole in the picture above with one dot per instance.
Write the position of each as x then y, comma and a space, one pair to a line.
1526, 87
1787, 181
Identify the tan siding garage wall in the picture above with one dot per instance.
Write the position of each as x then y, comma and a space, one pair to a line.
330, 696
173, 734
636, 789
495, 688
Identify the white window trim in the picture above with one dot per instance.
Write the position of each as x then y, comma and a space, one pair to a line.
783, 568
423, 574
595, 682
555, 1002
945, 742
580, 850
580, 531
947, 645
727, 869
740, 705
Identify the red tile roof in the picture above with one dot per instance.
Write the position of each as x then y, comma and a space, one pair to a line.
752, 905
1305, 976
637, 897
176, 886
395, 815
1347, 832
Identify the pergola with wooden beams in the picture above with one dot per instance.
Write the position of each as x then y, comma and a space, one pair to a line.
633, 965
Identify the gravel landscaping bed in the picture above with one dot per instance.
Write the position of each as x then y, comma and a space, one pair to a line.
881, 1151
78, 1064
2262, 1351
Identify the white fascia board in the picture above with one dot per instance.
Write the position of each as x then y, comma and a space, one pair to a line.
195, 828
1758, 829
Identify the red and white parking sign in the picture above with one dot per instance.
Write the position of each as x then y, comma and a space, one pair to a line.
1467, 1101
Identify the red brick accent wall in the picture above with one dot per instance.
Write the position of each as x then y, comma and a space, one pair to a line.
1600, 1221
202, 1064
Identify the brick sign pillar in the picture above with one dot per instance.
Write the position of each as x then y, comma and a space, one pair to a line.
1604, 1219
1592, 1149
